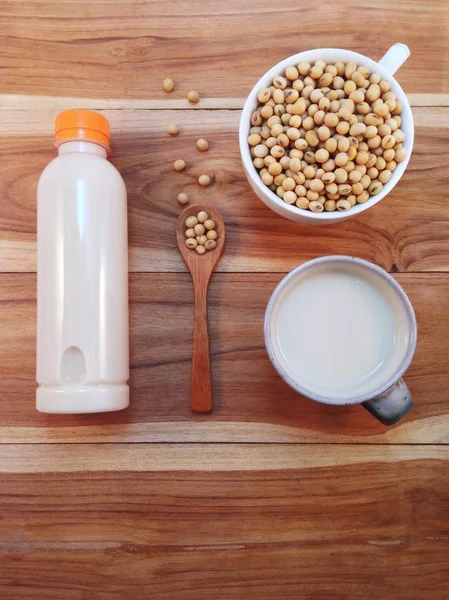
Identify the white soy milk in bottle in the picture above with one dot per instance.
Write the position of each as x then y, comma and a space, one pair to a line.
82, 300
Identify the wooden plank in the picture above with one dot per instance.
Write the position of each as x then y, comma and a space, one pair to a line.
251, 403
355, 523
123, 49
58, 103
408, 231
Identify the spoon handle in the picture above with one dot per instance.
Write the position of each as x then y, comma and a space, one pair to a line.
201, 386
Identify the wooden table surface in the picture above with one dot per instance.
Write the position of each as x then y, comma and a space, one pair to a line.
272, 495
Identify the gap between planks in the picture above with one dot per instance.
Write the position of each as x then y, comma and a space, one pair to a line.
69, 458
20, 101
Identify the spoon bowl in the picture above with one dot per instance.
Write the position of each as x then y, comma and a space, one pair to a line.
200, 267
202, 262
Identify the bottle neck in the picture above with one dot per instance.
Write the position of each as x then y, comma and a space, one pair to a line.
82, 146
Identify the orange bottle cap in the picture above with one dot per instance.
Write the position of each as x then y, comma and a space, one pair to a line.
80, 124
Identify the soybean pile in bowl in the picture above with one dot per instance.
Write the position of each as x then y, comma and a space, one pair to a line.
324, 135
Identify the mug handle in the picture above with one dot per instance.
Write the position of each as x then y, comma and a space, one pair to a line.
392, 405
394, 58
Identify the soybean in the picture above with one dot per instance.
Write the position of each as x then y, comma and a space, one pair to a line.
200, 233
326, 134
168, 85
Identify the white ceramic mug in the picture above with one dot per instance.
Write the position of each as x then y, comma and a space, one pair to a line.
386, 68
382, 390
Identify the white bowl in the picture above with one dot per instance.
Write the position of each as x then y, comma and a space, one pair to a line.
386, 68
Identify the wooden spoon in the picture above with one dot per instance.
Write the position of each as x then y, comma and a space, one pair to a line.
200, 267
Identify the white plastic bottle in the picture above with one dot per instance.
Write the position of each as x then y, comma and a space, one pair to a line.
82, 273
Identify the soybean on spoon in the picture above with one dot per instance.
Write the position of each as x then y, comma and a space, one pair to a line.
200, 267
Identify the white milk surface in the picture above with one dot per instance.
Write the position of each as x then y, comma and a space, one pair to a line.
335, 333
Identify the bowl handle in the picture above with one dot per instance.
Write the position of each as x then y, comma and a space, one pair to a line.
394, 58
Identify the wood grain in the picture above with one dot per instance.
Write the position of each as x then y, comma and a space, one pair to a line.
407, 231
58, 103
122, 49
142, 457
251, 402
344, 522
